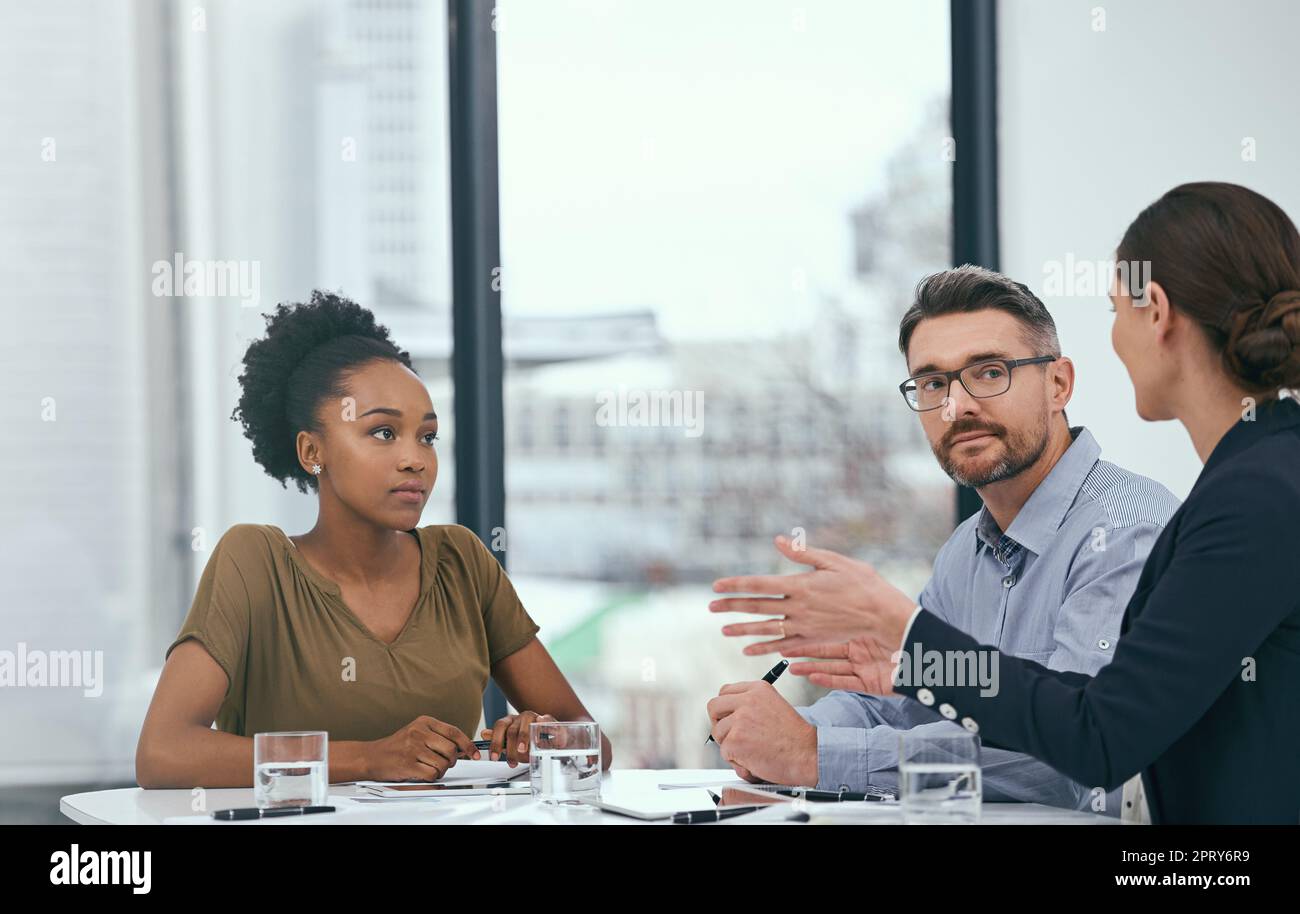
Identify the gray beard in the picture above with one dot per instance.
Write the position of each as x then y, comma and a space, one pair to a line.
1021, 455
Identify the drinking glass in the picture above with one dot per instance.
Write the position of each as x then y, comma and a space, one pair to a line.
565, 760
939, 778
291, 768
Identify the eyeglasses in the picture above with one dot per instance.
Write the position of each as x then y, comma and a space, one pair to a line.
987, 378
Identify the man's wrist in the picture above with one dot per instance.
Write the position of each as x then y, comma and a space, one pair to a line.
842, 758
806, 772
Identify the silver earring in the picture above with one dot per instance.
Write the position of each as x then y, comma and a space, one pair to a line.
315, 468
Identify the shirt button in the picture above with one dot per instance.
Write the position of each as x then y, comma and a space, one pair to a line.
948, 711
925, 696
1103, 644
1008, 580
970, 725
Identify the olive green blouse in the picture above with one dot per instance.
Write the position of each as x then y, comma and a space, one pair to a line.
296, 657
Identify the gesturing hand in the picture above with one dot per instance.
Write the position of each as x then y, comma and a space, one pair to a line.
841, 598
859, 665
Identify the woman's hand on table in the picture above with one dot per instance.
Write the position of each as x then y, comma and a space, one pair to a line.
423, 750
511, 737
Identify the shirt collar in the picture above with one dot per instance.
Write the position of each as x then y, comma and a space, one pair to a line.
1269, 417
1042, 514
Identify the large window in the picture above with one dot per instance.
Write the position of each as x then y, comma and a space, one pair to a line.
312, 143
279, 146
712, 217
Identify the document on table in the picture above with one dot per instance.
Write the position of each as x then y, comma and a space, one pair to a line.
725, 778
468, 777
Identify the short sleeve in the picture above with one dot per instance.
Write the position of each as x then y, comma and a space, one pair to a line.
219, 617
507, 623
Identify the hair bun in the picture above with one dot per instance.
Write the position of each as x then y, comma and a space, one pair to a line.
302, 360
1263, 345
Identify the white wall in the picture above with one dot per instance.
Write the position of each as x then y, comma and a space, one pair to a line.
1096, 124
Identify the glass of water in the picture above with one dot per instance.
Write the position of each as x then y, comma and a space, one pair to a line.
565, 761
939, 777
291, 768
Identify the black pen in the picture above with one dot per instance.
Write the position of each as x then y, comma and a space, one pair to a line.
772, 676
713, 815
822, 796
483, 745
255, 813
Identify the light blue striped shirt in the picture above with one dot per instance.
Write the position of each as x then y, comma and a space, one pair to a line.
1053, 589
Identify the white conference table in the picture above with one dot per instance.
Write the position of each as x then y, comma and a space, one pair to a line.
630, 787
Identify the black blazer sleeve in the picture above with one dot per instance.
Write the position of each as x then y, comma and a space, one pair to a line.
1232, 577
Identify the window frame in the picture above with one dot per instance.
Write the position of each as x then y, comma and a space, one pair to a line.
478, 366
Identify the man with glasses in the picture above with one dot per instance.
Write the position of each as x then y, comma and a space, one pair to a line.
1043, 570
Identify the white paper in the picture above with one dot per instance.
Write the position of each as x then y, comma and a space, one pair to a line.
730, 779
466, 771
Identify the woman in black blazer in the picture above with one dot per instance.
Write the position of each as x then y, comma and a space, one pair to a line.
1202, 698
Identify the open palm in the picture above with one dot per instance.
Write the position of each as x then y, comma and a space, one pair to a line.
859, 665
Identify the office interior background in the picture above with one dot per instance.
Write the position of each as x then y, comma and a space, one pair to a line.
733, 198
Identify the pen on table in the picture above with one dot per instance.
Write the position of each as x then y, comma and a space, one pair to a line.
713, 815
772, 676
822, 796
799, 816
253, 812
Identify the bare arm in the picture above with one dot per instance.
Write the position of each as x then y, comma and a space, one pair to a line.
532, 682
179, 748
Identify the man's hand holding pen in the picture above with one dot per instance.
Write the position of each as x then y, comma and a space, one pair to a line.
762, 736
844, 614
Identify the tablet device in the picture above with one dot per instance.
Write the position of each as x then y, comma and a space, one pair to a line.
642, 814
749, 795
